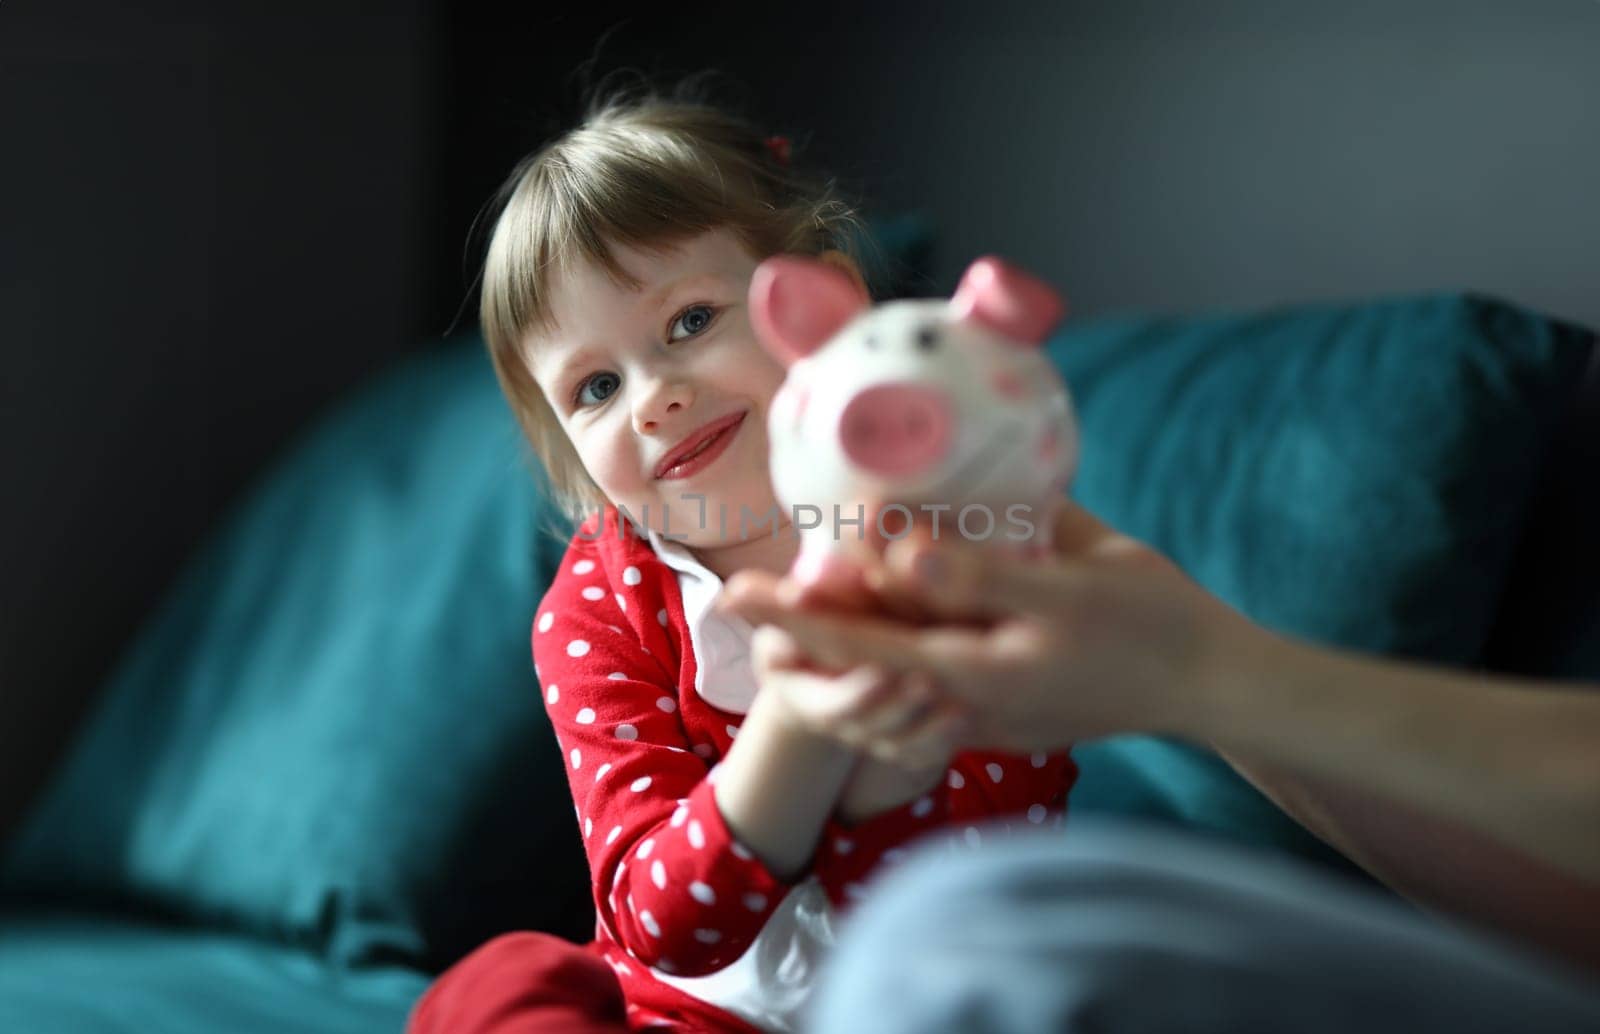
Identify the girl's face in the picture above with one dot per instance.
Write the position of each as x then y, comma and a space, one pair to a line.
664, 391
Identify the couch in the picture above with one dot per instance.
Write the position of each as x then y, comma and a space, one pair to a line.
321, 772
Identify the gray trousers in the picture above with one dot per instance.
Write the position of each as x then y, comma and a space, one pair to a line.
1111, 929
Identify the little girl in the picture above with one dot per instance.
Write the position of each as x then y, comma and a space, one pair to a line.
725, 836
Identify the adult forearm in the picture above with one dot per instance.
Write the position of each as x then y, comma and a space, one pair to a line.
778, 786
1517, 762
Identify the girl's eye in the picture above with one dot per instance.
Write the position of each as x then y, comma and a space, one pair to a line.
595, 390
694, 319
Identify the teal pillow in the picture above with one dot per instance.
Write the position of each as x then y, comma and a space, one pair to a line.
1356, 475
331, 734
77, 974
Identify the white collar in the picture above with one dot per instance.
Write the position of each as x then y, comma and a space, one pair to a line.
723, 676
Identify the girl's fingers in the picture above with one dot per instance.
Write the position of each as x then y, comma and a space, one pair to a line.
912, 697
869, 708
931, 739
831, 703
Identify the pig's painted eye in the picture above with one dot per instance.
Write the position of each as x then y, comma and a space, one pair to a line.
927, 339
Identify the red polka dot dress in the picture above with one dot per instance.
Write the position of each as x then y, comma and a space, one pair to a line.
643, 723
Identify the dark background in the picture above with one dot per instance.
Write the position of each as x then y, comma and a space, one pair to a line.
215, 219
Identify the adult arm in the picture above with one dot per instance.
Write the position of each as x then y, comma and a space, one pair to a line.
1471, 795
1114, 638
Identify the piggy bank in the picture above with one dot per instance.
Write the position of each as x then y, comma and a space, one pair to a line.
945, 410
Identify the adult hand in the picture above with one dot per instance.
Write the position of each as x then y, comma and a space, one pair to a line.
1103, 636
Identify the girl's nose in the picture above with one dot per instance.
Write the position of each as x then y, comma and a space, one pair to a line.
659, 401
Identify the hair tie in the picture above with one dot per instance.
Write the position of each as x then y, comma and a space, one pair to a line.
780, 147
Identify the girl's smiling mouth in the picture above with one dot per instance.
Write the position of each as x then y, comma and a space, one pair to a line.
700, 448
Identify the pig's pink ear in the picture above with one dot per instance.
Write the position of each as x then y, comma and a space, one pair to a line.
798, 304
1001, 297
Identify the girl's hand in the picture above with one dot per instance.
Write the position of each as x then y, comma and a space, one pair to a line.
1107, 636
877, 786
896, 719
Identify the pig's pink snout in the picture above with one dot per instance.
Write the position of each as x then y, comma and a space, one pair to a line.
896, 430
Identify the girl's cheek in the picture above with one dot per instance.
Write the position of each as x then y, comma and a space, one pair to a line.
615, 456
587, 444
765, 376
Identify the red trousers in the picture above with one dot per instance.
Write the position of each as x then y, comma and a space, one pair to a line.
536, 983
523, 983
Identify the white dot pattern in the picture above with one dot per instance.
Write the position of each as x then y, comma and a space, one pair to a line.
616, 673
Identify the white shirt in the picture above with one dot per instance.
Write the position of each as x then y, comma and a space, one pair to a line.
723, 675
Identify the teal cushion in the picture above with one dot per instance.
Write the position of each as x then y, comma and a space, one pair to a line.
1354, 475
331, 734
76, 974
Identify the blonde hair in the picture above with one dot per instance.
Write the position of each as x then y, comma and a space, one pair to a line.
640, 171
